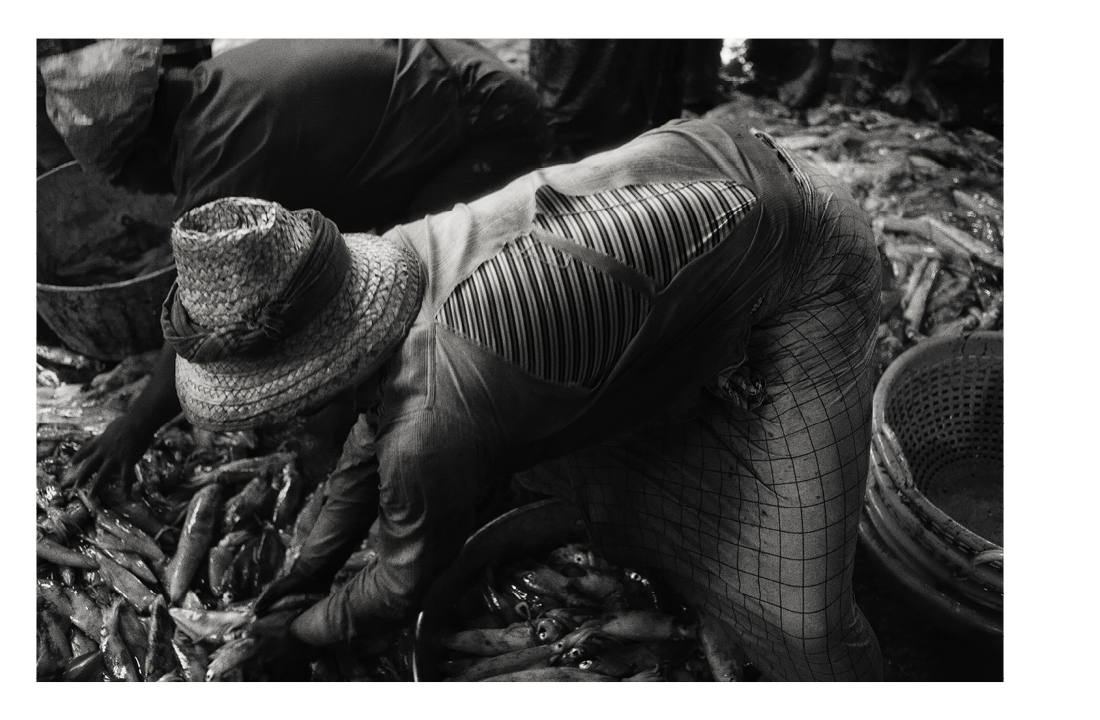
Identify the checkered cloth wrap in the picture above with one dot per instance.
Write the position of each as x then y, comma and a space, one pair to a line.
752, 514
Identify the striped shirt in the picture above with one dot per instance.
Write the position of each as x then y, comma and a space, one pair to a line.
565, 320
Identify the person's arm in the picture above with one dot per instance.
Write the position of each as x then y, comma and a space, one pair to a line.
350, 505
118, 448
433, 473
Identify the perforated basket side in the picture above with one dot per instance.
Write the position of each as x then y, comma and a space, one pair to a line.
938, 417
946, 412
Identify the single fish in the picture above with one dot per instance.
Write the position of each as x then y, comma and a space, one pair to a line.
576, 554
193, 659
116, 654
490, 642
603, 587
47, 377
135, 540
240, 581
645, 625
538, 656
87, 667
267, 557
160, 659
54, 649
194, 542
496, 602
248, 507
622, 661
572, 618
135, 511
67, 358
303, 525
240, 470
548, 629
123, 581
219, 560
231, 656
86, 614
191, 601
719, 650
135, 633
80, 643
580, 644
50, 596
115, 549
290, 486
213, 626
550, 674
47, 549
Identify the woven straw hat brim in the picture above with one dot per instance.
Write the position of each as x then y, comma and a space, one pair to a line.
345, 344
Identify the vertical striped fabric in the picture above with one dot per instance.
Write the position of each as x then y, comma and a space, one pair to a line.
565, 321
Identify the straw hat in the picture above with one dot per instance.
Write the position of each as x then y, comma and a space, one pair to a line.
275, 312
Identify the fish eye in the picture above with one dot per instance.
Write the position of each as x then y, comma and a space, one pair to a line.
586, 664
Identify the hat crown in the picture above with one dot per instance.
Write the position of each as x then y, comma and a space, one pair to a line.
233, 255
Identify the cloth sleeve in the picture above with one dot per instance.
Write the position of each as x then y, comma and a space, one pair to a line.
433, 472
351, 501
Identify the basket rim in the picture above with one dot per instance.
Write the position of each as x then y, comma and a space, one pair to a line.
960, 611
918, 558
121, 284
916, 357
957, 549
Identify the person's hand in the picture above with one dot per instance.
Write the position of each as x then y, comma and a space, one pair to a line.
291, 583
113, 453
274, 629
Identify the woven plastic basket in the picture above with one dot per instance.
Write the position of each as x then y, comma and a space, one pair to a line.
934, 510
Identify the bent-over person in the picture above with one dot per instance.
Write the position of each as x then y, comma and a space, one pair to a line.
675, 335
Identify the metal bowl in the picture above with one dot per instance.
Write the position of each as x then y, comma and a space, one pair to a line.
533, 529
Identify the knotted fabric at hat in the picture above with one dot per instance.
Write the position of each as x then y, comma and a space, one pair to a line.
274, 312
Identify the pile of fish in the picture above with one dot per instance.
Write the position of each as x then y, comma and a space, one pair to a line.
139, 248
574, 617
159, 584
935, 201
